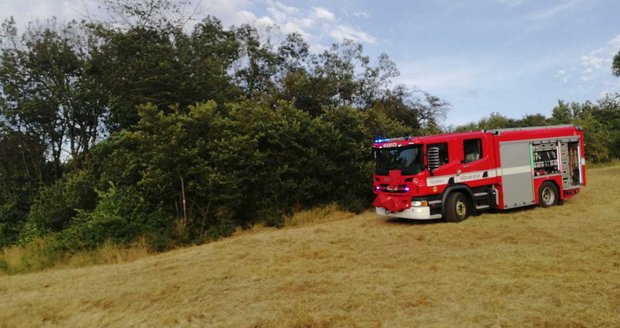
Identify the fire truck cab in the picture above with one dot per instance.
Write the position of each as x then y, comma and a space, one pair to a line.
454, 175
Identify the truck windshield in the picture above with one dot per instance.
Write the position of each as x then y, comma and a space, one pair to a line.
408, 159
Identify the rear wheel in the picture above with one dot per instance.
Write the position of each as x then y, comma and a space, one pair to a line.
457, 207
548, 194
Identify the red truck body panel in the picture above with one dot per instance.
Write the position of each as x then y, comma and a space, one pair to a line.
504, 168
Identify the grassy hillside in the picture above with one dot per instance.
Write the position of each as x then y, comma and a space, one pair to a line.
557, 267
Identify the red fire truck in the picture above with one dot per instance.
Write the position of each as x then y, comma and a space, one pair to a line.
458, 174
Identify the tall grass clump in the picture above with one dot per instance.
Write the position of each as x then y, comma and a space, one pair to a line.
34, 256
45, 253
329, 212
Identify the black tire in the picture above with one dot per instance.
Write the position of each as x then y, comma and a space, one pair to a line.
457, 207
548, 194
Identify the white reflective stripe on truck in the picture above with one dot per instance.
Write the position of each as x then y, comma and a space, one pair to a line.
516, 170
476, 175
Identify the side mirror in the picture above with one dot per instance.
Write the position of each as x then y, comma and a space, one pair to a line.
433, 158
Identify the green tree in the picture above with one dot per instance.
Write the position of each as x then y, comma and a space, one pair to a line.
22, 169
257, 65
56, 205
493, 121
417, 109
533, 120
562, 113
598, 139
339, 76
607, 113
51, 106
52, 88
140, 67
397, 104
158, 15
166, 67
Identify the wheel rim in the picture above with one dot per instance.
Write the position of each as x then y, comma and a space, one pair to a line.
548, 197
461, 208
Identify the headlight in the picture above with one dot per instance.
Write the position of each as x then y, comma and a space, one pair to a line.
419, 203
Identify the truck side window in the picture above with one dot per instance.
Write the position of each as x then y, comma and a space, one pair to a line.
473, 150
443, 152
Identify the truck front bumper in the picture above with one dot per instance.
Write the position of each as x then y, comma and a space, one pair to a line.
413, 213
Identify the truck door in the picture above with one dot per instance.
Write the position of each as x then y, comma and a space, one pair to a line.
572, 173
516, 172
477, 163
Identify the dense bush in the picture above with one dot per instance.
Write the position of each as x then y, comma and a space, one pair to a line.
56, 205
194, 174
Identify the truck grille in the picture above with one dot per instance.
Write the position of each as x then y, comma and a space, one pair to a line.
398, 190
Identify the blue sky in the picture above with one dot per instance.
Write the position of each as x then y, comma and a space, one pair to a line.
514, 57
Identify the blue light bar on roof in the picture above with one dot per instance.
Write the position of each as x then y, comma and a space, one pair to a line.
379, 140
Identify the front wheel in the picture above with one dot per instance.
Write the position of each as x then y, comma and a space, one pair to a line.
457, 207
548, 194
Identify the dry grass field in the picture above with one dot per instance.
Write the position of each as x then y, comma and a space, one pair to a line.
556, 267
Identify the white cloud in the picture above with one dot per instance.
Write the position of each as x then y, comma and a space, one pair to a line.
245, 17
280, 12
265, 21
341, 32
322, 13
230, 12
315, 24
289, 10
597, 63
615, 42
361, 14
594, 60
591, 72
593, 68
564, 75
553, 11
25, 11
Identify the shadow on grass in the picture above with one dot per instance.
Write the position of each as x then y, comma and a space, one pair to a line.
523, 209
412, 222
494, 212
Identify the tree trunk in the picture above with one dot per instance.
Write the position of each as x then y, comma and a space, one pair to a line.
183, 201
